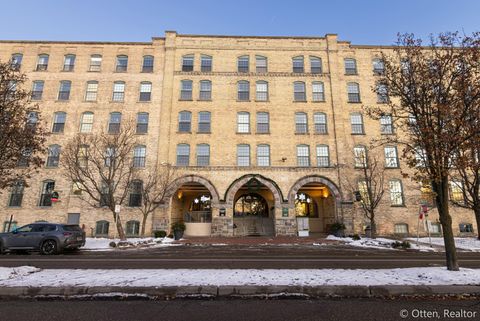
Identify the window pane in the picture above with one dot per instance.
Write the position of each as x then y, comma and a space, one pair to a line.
315, 65
206, 64
263, 155
391, 159
243, 63
323, 156
203, 155
243, 155
301, 123
317, 90
320, 120
396, 196
303, 156
183, 154
243, 122
263, 123
187, 63
204, 122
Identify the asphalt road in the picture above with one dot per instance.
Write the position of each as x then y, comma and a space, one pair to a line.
232, 310
241, 257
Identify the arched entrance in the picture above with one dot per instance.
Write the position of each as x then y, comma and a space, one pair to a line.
254, 200
192, 201
318, 199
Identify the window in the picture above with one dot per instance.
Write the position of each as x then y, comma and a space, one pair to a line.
114, 123
420, 157
135, 197
318, 93
91, 91
42, 62
243, 64
401, 229
132, 228
353, 92
350, 66
104, 195
378, 66
315, 65
243, 88
110, 156
323, 158
69, 63
320, 121
205, 90
145, 91
263, 155
303, 155
263, 123
64, 90
301, 126
382, 94
297, 64
77, 188
122, 63
204, 120
37, 90
391, 157
118, 91
435, 228
46, 197
299, 91
465, 228
456, 192
205, 63
360, 155
183, 154
186, 90
262, 91
16, 194
203, 155
101, 228
356, 121
53, 156
386, 124
24, 159
187, 63
243, 122
147, 65
142, 123
243, 155
32, 120
59, 119
261, 64
396, 192
16, 61
185, 121
86, 122
139, 156
83, 156
95, 62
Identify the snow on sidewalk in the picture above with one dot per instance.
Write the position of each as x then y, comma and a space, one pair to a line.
34, 277
463, 243
103, 244
378, 243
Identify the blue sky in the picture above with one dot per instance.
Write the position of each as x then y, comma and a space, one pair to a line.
361, 21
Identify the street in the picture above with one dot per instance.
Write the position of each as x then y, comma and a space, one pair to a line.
240, 257
240, 309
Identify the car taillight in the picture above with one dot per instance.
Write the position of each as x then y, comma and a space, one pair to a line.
67, 234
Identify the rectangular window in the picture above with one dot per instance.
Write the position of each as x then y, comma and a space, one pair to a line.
320, 121
183, 155
391, 157
122, 64
186, 90
243, 91
139, 156
378, 67
261, 64
353, 92
382, 94
465, 228
315, 65
142, 123
135, 199
59, 122
243, 123
243, 63
69, 63
297, 63
401, 229
95, 63
263, 155
205, 90
91, 93
323, 158
16, 195
263, 123
386, 124
299, 91
42, 63
203, 155
46, 197
350, 66
396, 193
64, 90
185, 121
187, 63
206, 64
86, 124
37, 90
204, 122
243, 155
357, 124
318, 93
456, 192
360, 155
301, 126
303, 156
262, 91
114, 123
147, 64
118, 91
145, 91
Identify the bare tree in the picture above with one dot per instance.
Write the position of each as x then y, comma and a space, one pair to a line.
154, 190
433, 90
102, 167
369, 185
22, 136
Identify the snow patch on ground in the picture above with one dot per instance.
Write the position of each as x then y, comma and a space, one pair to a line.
33, 277
377, 243
103, 244
464, 243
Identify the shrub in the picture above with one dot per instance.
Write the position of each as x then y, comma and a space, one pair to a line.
403, 245
178, 226
112, 244
160, 233
356, 237
337, 226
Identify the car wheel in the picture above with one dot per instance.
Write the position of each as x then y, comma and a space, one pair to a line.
49, 247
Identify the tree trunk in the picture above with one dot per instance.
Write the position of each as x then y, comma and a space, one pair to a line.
373, 227
477, 217
120, 231
144, 222
441, 190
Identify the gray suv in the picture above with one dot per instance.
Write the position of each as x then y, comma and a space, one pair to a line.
48, 238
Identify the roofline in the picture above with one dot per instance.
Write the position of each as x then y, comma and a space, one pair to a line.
77, 42
246, 37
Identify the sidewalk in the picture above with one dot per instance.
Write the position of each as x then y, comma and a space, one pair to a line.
258, 240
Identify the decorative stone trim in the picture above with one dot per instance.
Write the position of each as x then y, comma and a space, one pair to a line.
194, 179
233, 189
314, 179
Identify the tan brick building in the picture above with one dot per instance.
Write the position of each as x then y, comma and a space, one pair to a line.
262, 131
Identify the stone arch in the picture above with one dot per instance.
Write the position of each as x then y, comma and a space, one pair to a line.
176, 184
238, 183
313, 179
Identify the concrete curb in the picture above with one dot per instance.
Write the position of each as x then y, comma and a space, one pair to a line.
226, 291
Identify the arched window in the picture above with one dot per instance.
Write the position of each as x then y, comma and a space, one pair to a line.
323, 157
42, 62
203, 155
16, 61
122, 63
243, 155
263, 123
118, 91
205, 63
145, 91
261, 64
101, 228
243, 63
396, 192
185, 121
318, 92
299, 91
186, 90
305, 205
320, 122
382, 93
187, 63
350, 66
243, 122
69, 62
53, 156
64, 90
139, 156
263, 155
243, 90
303, 155
378, 66
114, 123
315, 65
298, 65
147, 65
95, 62
356, 121
59, 119
262, 90
16, 194
91, 90
251, 205
142, 123
132, 228
135, 197
353, 91
37, 89
301, 125
204, 122
205, 90
48, 187
360, 155
86, 122
183, 154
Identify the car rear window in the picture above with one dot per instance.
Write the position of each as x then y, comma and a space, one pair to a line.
72, 228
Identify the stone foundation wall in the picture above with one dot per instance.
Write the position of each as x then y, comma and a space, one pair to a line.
222, 226
285, 226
